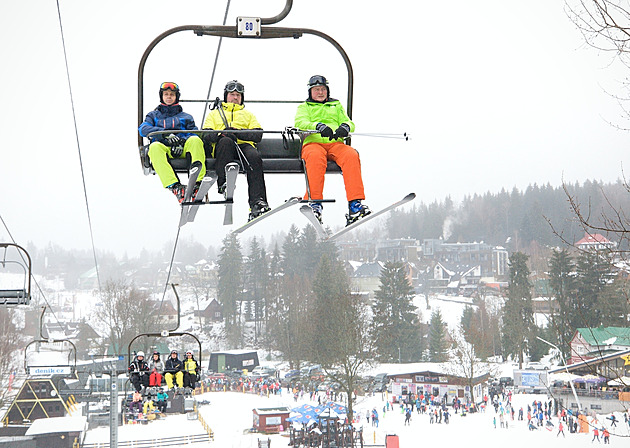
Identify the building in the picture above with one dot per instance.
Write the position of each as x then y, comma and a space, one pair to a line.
211, 313
590, 343
270, 420
493, 260
221, 362
595, 242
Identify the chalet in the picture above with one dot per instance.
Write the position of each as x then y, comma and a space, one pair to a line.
595, 242
211, 313
590, 343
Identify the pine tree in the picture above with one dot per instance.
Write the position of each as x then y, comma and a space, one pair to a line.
564, 289
518, 315
396, 328
230, 288
438, 344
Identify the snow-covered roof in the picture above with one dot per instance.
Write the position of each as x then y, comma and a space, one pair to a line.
57, 424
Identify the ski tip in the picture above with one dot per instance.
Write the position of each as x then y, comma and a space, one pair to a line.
410, 197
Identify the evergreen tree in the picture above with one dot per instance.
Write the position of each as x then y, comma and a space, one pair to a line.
593, 269
564, 289
230, 288
256, 284
396, 327
613, 304
438, 344
518, 316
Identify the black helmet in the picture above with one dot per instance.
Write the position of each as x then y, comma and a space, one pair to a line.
317, 80
234, 86
169, 86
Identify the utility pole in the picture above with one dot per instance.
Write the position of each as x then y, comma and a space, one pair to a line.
564, 364
113, 407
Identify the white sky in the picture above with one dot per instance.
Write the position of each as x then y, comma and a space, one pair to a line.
495, 94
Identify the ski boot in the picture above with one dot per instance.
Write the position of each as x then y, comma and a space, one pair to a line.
258, 208
318, 208
356, 210
195, 191
222, 188
178, 190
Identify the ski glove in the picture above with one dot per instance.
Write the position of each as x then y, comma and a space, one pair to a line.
174, 140
229, 134
177, 151
324, 131
342, 131
210, 138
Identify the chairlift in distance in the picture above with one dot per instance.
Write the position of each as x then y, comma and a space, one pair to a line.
16, 296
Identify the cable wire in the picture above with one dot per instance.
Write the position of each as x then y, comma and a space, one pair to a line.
76, 133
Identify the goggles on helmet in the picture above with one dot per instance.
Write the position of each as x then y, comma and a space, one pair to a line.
234, 86
169, 86
317, 80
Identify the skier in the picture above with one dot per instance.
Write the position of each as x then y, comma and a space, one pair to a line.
595, 434
174, 369
191, 370
169, 115
327, 116
156, 367
408, 417
560, 429
606, 435
227, 147
161, 400
139, 372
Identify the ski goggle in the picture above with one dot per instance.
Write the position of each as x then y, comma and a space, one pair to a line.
169, 86
234, 86
317, 80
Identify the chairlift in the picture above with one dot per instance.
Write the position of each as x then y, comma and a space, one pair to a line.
280, 149
12, 256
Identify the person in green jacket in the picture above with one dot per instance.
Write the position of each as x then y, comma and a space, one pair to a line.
328, 118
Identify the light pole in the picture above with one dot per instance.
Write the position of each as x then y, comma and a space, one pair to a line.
564, 364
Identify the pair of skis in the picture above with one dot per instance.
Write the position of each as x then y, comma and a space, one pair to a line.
325, 236
191, 205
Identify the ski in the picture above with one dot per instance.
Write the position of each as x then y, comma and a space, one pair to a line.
206, 183
409, 197
192, 179
231, 172
319, 228
287, 204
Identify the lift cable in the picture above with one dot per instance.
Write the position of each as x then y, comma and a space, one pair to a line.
76, 133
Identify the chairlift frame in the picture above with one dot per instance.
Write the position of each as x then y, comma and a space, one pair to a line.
17, 296
43, 340
280, 155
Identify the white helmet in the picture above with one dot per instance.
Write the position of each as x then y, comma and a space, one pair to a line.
140, 353
189, 353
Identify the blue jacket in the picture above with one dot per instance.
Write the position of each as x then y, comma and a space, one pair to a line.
166, 118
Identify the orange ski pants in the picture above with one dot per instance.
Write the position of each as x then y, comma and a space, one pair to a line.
316, 156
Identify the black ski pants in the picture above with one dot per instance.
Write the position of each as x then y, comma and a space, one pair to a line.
249, 158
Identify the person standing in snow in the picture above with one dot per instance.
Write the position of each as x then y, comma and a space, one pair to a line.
227, 146
328, 118
560, 429
595, 434
170, 116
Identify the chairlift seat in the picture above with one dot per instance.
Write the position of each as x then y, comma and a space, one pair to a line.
14, 297
279, 156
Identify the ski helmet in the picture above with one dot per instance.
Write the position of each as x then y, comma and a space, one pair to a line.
189, 353
140, 353
172, 87
234, 86
317, 80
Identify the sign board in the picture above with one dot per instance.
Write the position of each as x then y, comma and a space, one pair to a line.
50, 370
248, 26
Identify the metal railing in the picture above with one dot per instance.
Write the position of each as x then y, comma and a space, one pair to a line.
150, 443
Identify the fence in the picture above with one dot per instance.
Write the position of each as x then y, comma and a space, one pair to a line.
155, 443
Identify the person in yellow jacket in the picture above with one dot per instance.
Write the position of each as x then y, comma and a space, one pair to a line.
327, 116
227, 147
191, 370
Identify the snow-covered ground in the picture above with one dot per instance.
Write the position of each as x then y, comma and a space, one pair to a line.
229, 414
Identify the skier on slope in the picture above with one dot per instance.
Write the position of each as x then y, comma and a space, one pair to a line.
228, 147
169, 115
327, 116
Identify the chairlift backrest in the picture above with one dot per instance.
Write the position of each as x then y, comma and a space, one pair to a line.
12, 291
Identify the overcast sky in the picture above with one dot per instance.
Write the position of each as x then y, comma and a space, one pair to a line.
495, 95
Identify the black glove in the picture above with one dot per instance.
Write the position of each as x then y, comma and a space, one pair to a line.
342, 131
210, 138
229, 134
177, 151
324, 131
174, 140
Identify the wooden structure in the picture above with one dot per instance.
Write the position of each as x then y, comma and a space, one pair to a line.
270, 420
